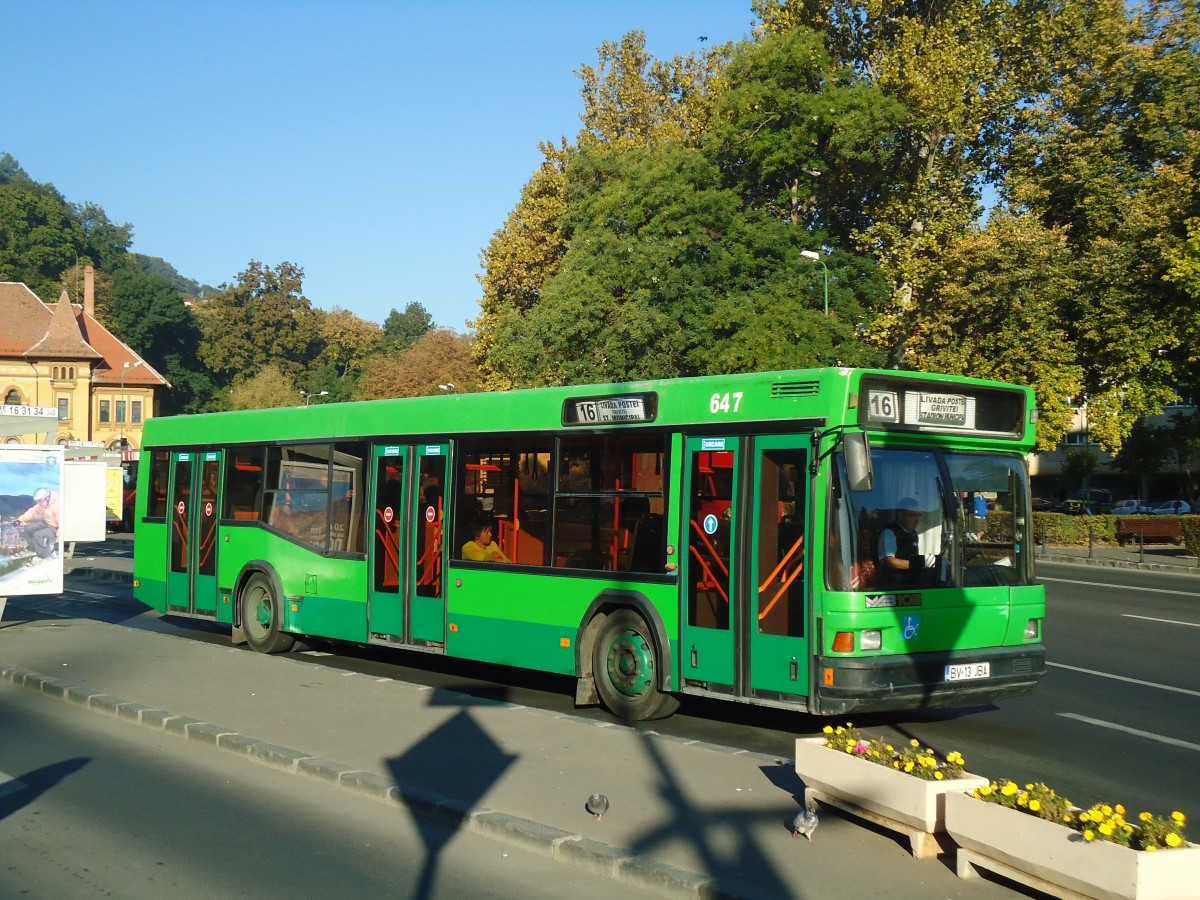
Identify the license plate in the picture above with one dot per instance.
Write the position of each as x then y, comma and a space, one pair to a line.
968, 671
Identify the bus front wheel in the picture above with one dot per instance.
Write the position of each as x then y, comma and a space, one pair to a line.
262, 617
625, 667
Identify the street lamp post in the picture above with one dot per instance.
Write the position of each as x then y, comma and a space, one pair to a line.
308, 397
124, 411
816, 257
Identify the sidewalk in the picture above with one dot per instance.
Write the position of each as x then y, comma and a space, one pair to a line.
1153, 557
686, 818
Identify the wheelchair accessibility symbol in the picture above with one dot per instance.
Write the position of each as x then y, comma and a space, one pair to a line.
911, 625
710, 524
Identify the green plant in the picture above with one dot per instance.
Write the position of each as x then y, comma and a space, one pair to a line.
1100, 823
911, 758
1036, 799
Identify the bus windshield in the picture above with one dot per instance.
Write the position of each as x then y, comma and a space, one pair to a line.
953, 519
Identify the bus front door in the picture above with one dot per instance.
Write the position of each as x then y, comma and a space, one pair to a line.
385, 611
777, 608
707, 634
745, 621
192, 546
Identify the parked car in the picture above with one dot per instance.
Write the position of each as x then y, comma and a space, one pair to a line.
1132, 508
1040, 505
1092, 502
1172, 508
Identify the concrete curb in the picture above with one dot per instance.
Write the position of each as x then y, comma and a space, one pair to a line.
96, 573
1107, 563
614, 862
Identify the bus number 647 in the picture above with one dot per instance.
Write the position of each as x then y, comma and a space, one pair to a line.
723, 403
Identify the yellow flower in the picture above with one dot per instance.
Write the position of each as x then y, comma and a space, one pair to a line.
1034, 805
1174, 840
1106, 829
828, 729
1106, 809
1089, 835
1150, 847
1009, 789
908, 766
984, 790
1145, 817
938, 776
915, 743
1120, 809
1178, 818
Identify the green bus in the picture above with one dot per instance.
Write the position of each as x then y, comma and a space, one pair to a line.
822, 540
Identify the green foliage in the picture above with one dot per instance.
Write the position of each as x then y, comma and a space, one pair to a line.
148, 313
269, 388
262, 319
403, 329
1060, 530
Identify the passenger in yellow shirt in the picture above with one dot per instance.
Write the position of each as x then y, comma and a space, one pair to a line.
483, 548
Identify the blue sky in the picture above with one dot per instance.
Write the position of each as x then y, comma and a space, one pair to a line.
377, 145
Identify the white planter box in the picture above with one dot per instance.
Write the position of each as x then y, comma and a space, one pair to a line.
1058, 861
878, 793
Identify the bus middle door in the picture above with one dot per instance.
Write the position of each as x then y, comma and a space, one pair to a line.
707, 647
192, 547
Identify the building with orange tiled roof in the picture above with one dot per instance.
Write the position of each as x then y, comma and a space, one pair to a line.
58, 355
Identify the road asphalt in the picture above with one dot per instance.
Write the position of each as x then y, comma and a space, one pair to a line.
686, 818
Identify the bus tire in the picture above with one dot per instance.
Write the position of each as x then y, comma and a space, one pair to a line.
262, 617
625, 668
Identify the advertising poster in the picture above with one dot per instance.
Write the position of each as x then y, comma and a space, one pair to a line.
31, 483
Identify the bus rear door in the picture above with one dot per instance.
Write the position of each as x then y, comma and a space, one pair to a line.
195, 494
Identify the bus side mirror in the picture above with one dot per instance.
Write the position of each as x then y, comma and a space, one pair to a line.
857, 449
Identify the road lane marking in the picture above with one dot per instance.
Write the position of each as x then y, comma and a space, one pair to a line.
9, 785
1174, 742
90, 594
1164, 621
1124, 587
1153, 684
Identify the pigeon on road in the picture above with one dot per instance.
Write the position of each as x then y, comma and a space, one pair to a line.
597, 805
805, 823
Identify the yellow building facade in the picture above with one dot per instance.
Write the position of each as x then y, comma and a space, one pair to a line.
59, 356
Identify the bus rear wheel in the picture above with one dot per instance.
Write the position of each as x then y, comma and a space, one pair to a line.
625, 667
262, 617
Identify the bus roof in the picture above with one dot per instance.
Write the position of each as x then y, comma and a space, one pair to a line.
807, 398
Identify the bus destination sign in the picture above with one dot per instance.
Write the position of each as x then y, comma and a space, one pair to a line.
610, 410
943, 409
921, 408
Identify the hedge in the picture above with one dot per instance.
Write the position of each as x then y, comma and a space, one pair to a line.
1062, 530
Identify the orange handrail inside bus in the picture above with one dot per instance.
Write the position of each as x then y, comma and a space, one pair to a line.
787, 583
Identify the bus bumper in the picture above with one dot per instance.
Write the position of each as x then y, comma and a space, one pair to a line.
919, 681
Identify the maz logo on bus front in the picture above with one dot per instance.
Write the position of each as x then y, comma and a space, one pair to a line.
723, 403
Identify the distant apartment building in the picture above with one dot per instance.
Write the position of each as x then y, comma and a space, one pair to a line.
58, 355
1047, 469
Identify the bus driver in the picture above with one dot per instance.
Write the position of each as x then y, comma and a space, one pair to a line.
900, 559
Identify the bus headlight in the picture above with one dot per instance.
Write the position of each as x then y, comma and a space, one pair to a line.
872, 639
1033, 629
